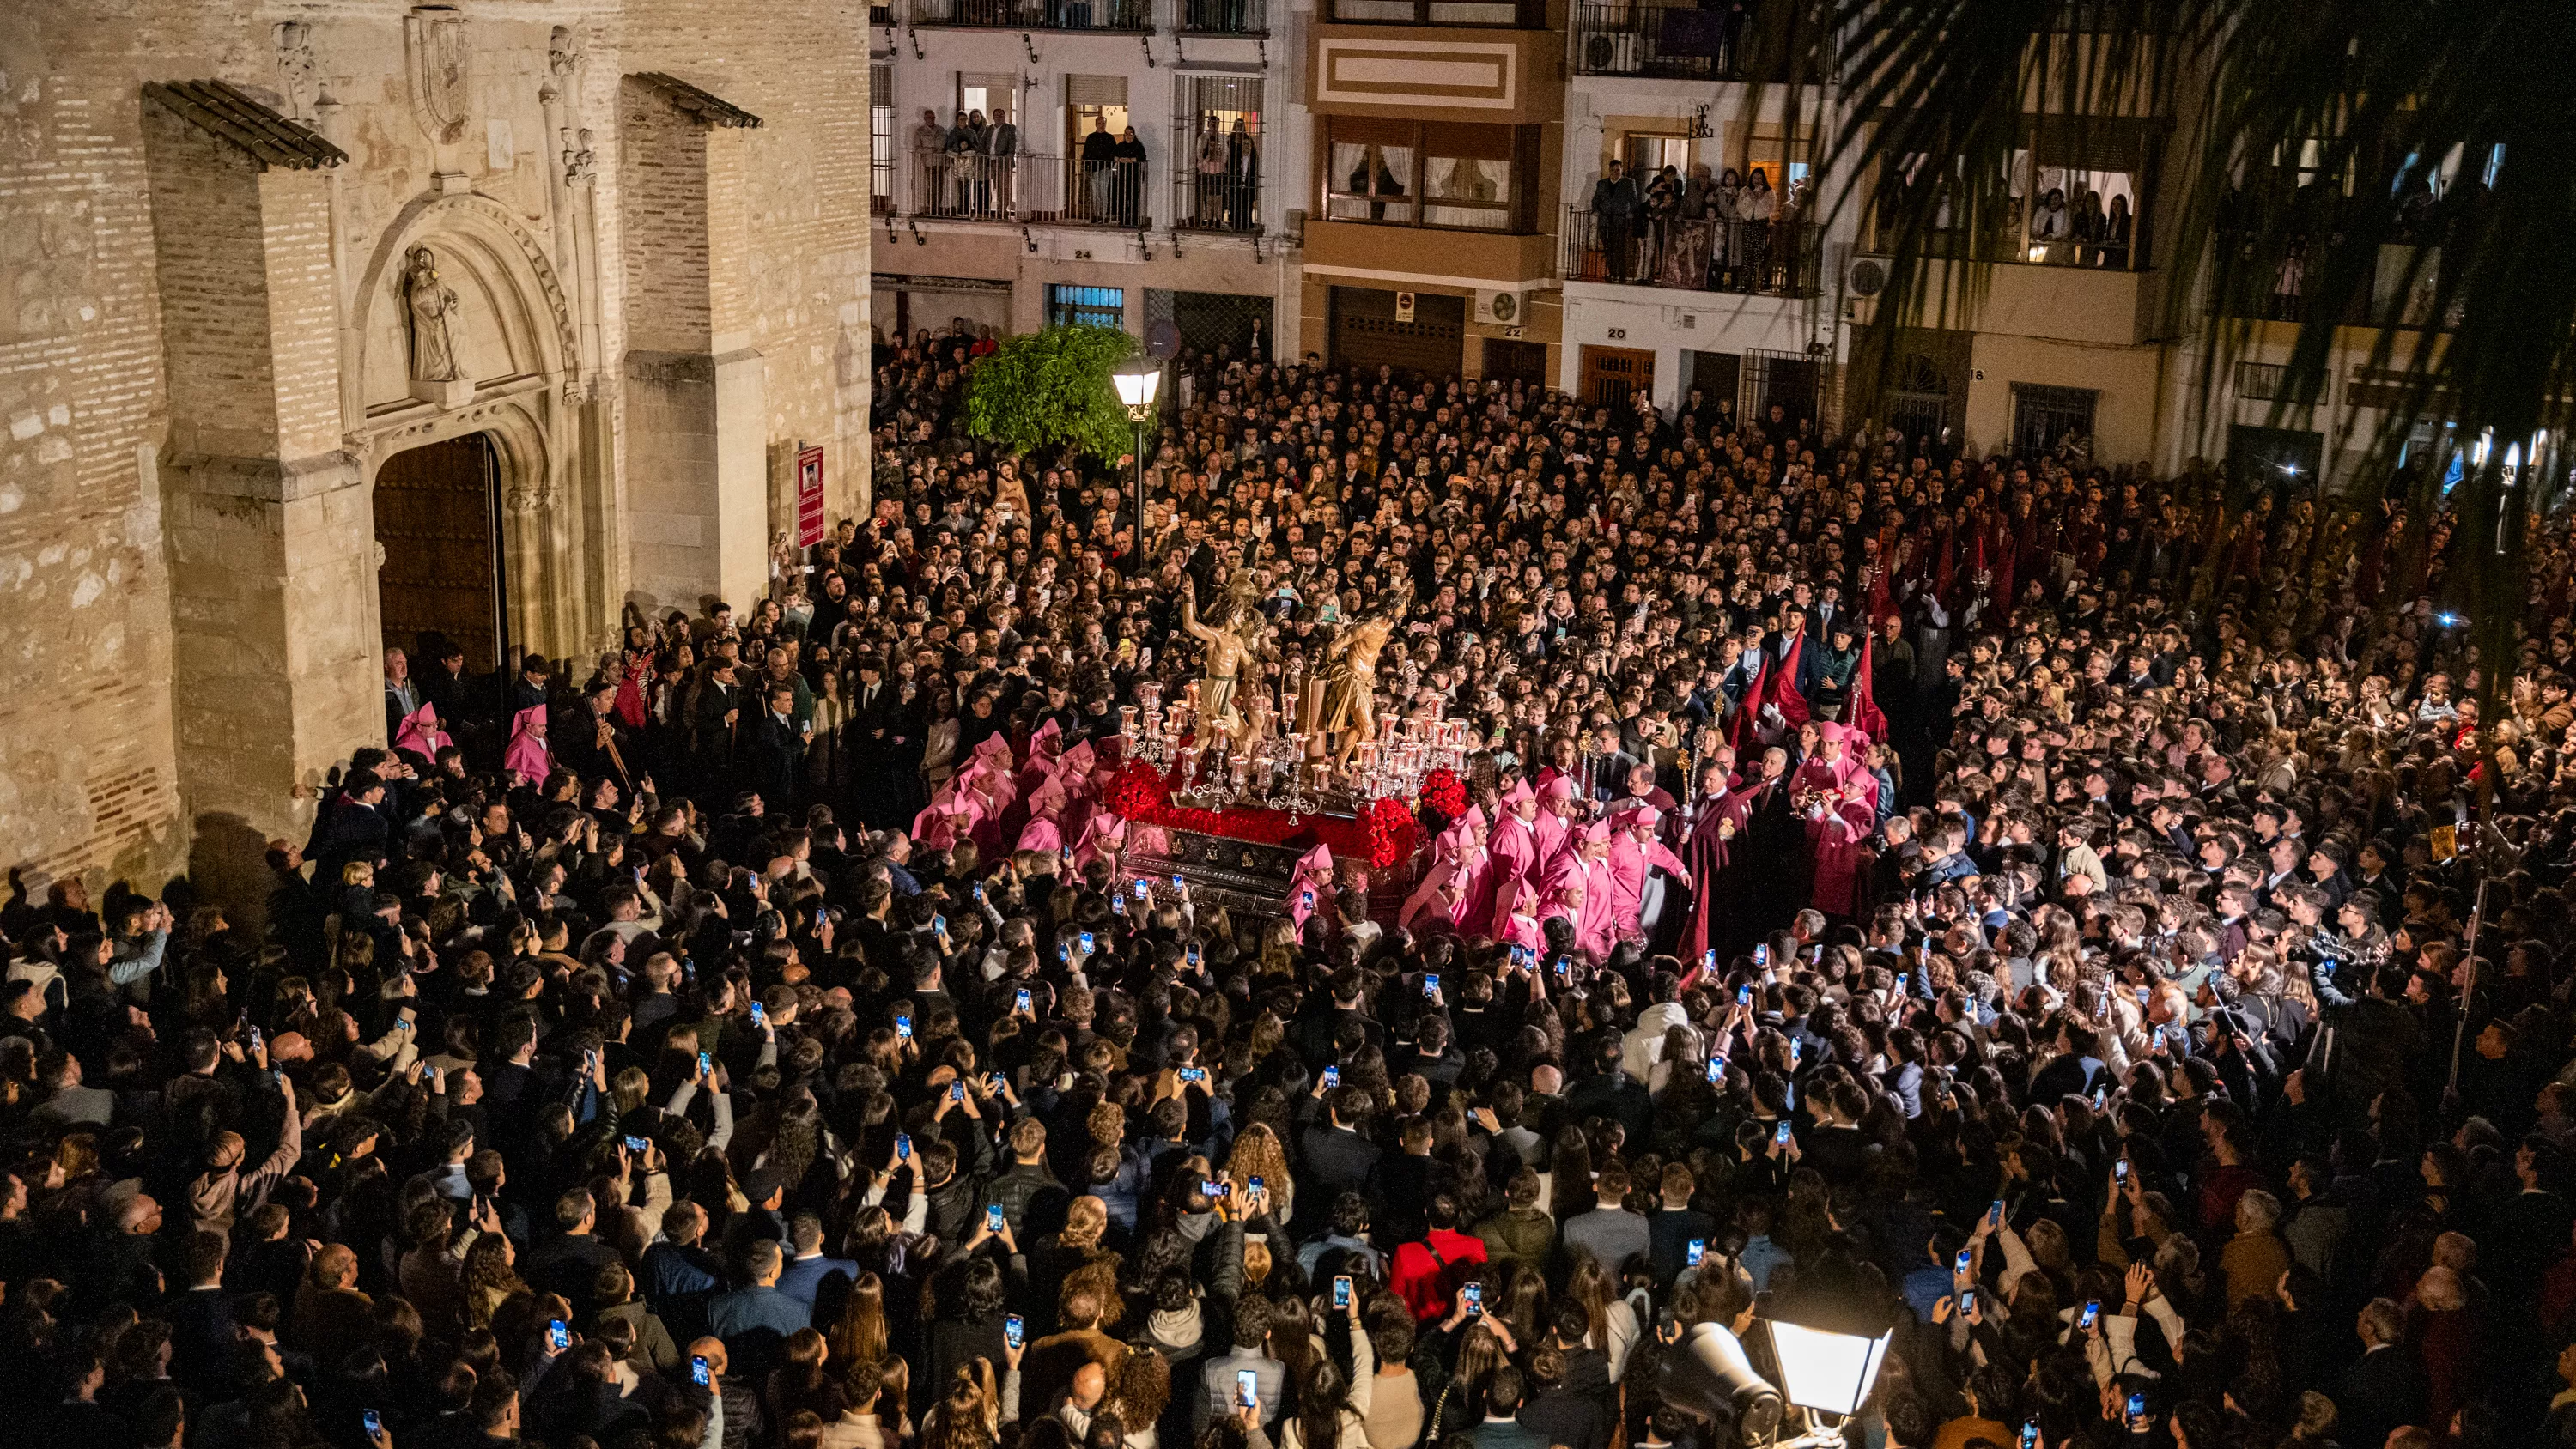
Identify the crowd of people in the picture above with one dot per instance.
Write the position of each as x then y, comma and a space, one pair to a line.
2013, 905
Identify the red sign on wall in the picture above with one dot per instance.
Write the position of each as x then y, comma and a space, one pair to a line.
809, 497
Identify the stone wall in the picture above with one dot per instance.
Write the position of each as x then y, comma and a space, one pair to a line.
202, 363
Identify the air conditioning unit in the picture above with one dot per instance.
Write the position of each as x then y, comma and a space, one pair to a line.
1504, 308
1868, 275
1615, 52
1296, 225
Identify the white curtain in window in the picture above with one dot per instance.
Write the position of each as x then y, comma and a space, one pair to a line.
1399, 164
1347, 175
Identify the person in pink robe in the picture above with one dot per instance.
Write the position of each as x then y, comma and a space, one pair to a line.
1310, 886
420, 734
1102, 837
1449, 888
1513, 846
1521, 928
1635, 852
1476, 915
1841, 809
1555, 823
1581, 877
529, 757
1045, 827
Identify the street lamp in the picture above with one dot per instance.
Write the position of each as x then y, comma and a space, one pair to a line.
1137, 381
1825, 1371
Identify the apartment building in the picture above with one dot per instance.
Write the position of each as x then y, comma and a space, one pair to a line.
1117, 162
2236, 406
1431, 201
1760, 300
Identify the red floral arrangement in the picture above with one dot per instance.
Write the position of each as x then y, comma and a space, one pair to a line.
1386, 833
1393, 835
1137, 793
1445, 793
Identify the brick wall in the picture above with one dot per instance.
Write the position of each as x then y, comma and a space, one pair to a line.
662, 173
803, 198
86, 770
92, 416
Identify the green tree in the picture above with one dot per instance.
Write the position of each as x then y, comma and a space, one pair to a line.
1051, 389
2304, 141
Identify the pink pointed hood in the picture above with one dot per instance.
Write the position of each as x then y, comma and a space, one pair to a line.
1313, 877
420, 734
528, 756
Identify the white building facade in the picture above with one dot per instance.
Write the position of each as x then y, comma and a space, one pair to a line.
1136, 164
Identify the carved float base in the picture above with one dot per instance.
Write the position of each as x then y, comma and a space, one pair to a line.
1250, 878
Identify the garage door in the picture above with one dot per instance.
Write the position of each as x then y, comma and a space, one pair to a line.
1367, 334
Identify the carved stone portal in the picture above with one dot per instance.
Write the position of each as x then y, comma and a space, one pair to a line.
437, 373
442, 72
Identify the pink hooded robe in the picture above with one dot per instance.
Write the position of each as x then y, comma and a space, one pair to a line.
1838, 835
1045, 827
1310, 886
420, 733
528, 756
1513, 852
1596, 923
1631, 862
1555, 834
1449, 889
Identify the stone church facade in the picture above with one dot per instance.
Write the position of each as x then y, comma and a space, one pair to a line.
327, 324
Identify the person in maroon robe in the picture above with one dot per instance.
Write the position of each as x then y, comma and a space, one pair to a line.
1719, 816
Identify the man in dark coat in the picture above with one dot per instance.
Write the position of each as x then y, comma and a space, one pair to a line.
776, 747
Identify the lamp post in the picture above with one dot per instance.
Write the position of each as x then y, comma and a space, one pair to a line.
1137, 381
1825, 1372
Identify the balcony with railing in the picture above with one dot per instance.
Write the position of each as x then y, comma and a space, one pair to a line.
1671, 42
1473, 14
1250, 18
1222, 200
1779, 258
1108, 15
1030, 189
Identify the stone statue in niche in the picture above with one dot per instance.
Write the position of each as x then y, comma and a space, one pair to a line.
295, 67
437, 373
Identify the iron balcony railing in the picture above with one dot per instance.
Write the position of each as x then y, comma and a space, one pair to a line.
1030, 188
1128, 15
1699, 256
1222, 17
1681, 42
1227, 201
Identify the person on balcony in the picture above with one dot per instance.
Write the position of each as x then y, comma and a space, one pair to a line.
1242, 176
1788, 228
1129, 184
1099, 156
1756, 209
1001, 160
1663, 215
1725, 208
2118, 229
1615, 204
2052, 229
2088, 227
1207, 201
1694, 252
930, 168
965, 142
